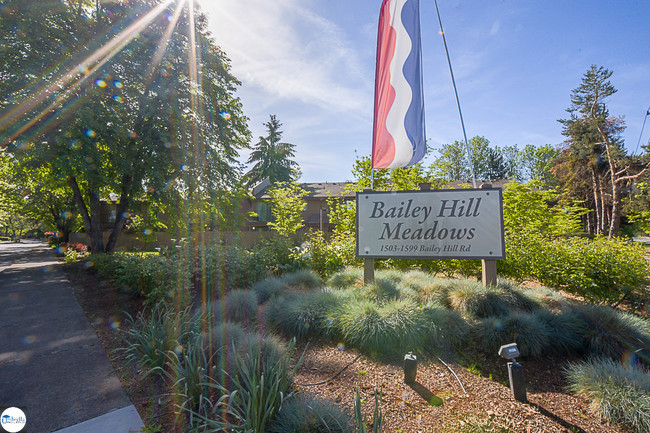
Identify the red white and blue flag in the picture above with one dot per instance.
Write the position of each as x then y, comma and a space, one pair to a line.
398, 136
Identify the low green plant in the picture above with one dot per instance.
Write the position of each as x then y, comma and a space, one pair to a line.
525, 329
388, 330
620, 393
305, 413
260, 386
362, 421
566, 333
348, 278
381, 290
323, 257
304, 279
614, 333
269, 288
238, 306
312, 314
445, 329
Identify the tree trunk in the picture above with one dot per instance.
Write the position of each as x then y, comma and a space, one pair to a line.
596, 187
96, 235
604, 218
615, 222
120, 218
91, 220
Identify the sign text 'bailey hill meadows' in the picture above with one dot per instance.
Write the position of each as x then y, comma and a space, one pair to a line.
443, 224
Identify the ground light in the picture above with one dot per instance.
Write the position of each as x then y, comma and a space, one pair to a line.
410, 367
515, 371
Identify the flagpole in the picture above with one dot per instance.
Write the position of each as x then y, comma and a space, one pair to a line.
372, 178
444, 40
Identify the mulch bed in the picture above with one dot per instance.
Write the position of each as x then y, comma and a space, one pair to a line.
406, 408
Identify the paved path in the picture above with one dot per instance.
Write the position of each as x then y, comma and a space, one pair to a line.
51, 361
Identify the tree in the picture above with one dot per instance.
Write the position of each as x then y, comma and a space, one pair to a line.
452, 164
594, 136
150, 117
537, 163
287, 206
271, 157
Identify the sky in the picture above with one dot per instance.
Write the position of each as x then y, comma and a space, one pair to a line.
312, 64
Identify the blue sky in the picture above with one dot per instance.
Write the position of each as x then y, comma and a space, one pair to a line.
312, 63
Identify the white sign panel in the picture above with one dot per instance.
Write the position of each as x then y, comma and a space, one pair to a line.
442, 224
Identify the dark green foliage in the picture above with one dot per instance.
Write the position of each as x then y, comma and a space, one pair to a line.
621, 393
615, 334
304, 279
230, 267
391, 329
304, 413
445, 329
566, 333
239, 306
348, 278
525, 329
268, 289
311, 314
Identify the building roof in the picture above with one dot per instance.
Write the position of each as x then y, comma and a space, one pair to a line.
316, 190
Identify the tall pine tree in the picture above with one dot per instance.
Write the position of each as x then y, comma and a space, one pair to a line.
272, 157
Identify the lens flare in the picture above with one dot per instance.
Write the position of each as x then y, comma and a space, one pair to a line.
100, 83
118, 84
30, 339
118, 98
90, 133
225, 115
147, 232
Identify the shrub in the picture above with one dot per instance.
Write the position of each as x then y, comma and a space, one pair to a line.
239, 306
278, 255
228, 268
615, 334
324, 257
525, 329
620, 394
269, 288
598, 270
389, 330
305, 413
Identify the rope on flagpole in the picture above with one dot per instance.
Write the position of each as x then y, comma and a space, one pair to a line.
444, 40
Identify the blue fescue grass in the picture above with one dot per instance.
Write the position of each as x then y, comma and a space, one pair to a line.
391, 329
305, 413
346, 279
620, 393
304, 279
381, 291
311, 314
238, 306
525, 329
269, 289
615, 334
445, 329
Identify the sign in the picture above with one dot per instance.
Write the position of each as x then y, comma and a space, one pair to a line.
441, 224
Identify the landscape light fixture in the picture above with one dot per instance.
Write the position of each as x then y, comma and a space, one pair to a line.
515, 371
410, 367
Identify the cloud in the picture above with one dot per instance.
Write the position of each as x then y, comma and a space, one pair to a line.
290, 53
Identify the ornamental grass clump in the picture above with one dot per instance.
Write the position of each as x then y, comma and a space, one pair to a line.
238, 306
381, 291
472, 299
310, 414
621, 394
311, 314
615, 334
445, 329
422, 287
525, 329
269, 289
351, 277
566, 333
394, 328
304, 279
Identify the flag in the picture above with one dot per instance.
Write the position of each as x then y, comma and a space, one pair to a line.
398, 133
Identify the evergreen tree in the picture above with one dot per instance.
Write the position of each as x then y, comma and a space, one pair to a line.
271, 157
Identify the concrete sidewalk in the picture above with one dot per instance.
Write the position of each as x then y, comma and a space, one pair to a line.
51, 362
